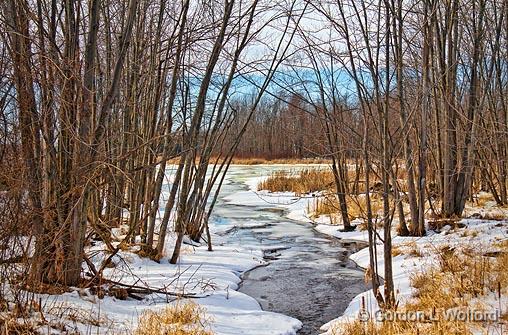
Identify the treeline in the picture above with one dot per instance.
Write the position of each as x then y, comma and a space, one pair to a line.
282, 127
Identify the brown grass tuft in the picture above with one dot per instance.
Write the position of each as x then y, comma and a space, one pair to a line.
408, 248
13, 326
403, 328
181, 319
356, 205
461, 276
300, 182
396, 251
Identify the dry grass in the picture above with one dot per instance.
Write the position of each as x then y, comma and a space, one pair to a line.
403, 328
356, 205
414, 251
408, 248
267, 161
458, 279
326, 205
453, 284
483, 198
260, 160
300, 182
397, 251
312, 180
181, 319
502, 244
316, 179
13, 326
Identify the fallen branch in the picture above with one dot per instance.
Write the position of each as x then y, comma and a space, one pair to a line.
134, 289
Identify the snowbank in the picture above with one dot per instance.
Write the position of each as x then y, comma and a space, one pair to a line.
417, 253
212, 276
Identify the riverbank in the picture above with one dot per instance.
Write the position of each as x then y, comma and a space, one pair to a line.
415, 257
313, 278
210, 279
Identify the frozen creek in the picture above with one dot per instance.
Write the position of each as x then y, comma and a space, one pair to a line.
309, 275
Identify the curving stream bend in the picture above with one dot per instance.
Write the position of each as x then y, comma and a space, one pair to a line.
309, 277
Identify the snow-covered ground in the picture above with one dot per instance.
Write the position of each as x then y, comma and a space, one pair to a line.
418, 254
214, 276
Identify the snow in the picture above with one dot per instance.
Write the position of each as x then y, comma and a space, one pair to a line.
487, 233
215, 276
212, 276
334, 230
476, 232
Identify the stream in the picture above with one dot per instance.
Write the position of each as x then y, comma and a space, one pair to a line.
309, 275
